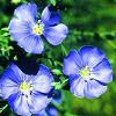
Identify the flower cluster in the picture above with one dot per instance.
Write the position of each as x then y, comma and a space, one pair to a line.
88, 70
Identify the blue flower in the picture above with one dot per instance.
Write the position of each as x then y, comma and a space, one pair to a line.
26, 29
89, 72
26, 94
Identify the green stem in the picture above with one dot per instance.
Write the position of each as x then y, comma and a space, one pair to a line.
3, 108
64, 49
59, 85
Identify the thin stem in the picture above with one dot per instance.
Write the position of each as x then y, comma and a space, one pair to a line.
59, 85
3, 108
64, 49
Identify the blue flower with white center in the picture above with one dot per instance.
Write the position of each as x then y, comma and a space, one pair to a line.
26, 29
89, 72
26, 94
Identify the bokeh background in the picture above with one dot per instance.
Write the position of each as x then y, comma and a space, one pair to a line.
90, 22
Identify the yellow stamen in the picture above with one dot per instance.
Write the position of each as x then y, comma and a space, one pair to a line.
38, 29
84, 72
25, 87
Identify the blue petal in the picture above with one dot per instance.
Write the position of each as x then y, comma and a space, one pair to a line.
94, 89
19, 29
10, 80
91, 56
51, 111
103, 72
56, 34
50, 16
72, 63
57, 97
77, 86
42, 113
17, 71
42, 81
0, 90
11, 74
32, 44
26, 13
7, 91
38, 102
19, 104
18, 26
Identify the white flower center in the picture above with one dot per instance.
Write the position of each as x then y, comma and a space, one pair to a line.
84, 72
38, 29
25, 87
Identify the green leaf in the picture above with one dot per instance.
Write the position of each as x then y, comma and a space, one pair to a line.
53, 2
5, 34
57, 71
59, 85
5, 29
64, 49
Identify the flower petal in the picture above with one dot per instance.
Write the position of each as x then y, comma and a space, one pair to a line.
72, 63
32, 44
0, 90
91, 55
50, 16
77, 86
56, 34
103, 72
51, 111
19, 104
94, 89
38, 102
42, 113
18, 26
26, 13
19, 30
57, 97
43, 79
18, 73
10, 74
10, 80
7, 91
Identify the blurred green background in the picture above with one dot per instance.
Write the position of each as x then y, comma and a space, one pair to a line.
90, 22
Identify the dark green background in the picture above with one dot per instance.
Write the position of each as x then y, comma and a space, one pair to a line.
90, 22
